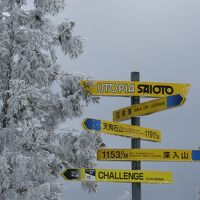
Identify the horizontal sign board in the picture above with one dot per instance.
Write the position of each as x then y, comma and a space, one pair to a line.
148, 155
133, 88
117, 175
148, 107
119, 129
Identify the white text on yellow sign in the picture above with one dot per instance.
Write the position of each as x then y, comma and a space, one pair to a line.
133, 88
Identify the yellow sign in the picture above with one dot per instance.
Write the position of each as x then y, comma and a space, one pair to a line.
113, 175
119, 129
148, 107
133, 88
145, 155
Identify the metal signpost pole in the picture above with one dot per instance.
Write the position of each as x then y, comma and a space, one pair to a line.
135, 143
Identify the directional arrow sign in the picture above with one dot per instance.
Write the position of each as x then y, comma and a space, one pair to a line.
133, 88
111, 175
72, 174
149, 155
149, 107
119, 129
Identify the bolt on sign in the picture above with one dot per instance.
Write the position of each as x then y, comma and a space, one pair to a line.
176, 155
118, 175
149, 107
133, 88
119, 129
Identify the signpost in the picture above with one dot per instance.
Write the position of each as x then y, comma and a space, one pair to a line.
133, 88
135, 143
120, 176
148, 107
176, 155
119, 129
169, 95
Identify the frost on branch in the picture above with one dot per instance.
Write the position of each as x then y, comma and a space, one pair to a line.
73, 46
36, 97
77, 152
49, 6
7, 3
70, 86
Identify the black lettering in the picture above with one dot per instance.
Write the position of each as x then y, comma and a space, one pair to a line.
150, 89
169, 89
101, 175
140, 88
141, 176
112, 176
120, 176
131, 176
106, 175
156, 89
126, 175
146, 89
136, 176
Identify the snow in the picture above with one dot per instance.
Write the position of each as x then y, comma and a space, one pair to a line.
33, 150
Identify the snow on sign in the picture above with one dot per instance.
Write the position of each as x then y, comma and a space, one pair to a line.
119, 129
134, 88
113, 175
148, 107
176, 155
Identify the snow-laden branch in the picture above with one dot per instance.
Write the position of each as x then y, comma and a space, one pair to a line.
36, 97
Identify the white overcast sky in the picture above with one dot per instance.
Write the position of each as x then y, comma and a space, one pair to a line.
161, 40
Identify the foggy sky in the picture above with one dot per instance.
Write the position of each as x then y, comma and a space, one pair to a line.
161, 40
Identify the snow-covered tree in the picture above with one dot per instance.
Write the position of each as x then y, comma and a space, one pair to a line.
36, 96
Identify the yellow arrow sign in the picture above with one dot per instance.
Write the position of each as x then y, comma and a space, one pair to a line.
119, 129
133, 88
111, 175
148, 107
148, 155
